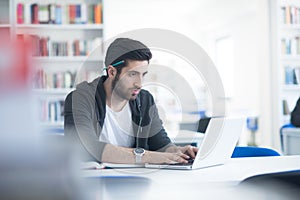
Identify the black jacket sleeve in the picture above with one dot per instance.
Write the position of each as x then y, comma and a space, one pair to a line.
295, 115
80, 127
153, 130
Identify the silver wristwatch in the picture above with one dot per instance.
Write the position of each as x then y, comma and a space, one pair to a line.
138, 152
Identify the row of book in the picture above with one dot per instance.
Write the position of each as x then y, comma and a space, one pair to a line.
290, 46
290, 15
44, 46
50, 80
63, 79
285, 107
59, 13
292, 75
52, 111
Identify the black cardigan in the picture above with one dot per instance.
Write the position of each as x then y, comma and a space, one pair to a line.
295, 115
85, 114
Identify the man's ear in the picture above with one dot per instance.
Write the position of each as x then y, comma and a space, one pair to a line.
111, 71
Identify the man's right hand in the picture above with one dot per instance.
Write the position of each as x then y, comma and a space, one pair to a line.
164, 157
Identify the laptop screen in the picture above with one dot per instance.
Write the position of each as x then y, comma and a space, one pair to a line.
202, 125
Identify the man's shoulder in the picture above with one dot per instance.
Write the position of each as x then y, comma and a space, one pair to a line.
88, 85
146, 96
85, 89
145, 92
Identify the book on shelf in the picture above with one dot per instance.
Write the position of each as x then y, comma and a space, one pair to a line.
98, 14
59, 13
62, 79
51, 110
44, 46
26, 9
287, 15
72, 14
20, 13
53, 80
43, 14
290, 14
91, 14
34, 11
51, 13
84, 13
290, 46
285, 107
292, 75
289, 75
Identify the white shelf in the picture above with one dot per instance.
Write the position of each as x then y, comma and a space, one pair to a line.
53, 91
53, 64
66, 59
290, 57
290, 27
288, 2
4, 25
292, 88
62, 26
283, 95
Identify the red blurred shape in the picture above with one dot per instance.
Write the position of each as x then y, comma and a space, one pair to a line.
14, 65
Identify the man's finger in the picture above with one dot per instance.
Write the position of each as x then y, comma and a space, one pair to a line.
183, 155
191, 152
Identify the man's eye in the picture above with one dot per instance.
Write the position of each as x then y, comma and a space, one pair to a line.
132, 73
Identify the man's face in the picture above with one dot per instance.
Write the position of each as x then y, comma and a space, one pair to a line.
128, 83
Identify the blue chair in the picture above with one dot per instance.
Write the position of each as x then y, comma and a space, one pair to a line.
251, 151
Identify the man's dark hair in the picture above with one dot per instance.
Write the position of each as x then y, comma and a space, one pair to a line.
122, 50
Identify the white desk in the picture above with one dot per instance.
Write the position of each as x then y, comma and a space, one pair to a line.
169, 183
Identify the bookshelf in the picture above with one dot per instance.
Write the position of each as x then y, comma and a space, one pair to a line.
285, 51
5, 17
62, 36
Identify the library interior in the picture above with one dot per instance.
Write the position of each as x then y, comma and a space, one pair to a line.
209, 60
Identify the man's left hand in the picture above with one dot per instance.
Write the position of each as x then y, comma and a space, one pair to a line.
189, 150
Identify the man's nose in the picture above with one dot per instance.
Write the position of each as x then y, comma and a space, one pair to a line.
139, 81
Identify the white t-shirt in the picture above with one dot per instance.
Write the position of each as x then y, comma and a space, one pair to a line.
117, 128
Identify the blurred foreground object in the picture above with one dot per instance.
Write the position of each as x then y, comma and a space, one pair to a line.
31, 167
280, 185
14, 65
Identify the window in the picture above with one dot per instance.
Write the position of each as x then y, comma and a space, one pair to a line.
225, 63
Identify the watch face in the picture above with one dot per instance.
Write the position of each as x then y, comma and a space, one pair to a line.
139, 150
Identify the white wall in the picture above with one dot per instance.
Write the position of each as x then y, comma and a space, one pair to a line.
121, 16
251, 45
203, 21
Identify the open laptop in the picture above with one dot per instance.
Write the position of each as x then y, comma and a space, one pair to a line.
217, 146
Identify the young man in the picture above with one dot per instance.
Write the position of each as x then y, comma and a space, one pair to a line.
295, 115
113, 120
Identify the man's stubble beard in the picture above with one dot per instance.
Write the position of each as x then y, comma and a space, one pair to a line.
116, 90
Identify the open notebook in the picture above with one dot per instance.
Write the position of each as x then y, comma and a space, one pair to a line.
217, 147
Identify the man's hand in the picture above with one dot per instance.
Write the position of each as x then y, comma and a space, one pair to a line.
117, 154
165, 157
188, 150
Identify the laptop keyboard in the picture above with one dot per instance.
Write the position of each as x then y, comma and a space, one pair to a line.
190, 162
